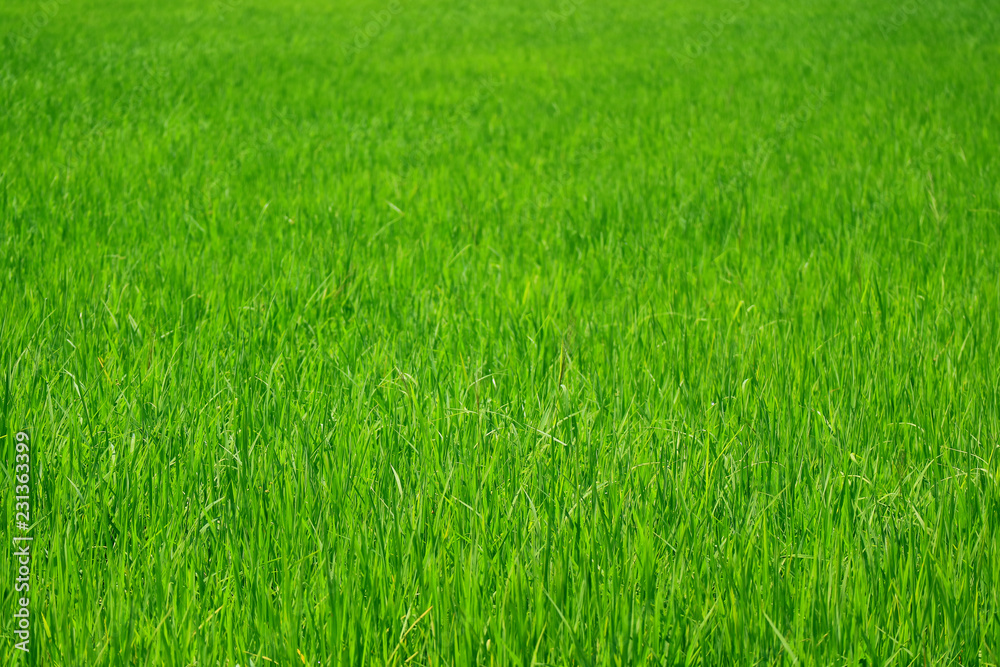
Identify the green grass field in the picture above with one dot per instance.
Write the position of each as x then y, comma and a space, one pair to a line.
570, 332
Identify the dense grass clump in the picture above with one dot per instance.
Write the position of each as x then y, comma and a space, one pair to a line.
503, 333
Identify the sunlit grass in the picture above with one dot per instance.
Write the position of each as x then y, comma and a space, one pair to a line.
523, 334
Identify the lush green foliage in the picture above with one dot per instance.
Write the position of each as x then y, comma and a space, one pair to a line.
514, 333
